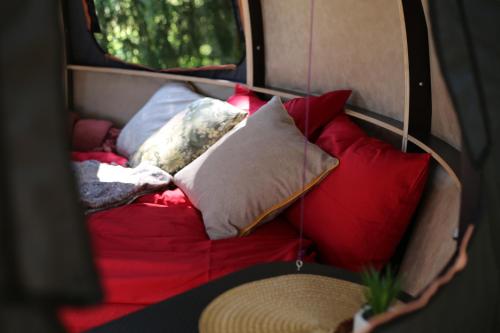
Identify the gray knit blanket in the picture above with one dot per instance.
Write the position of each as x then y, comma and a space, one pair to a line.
104, 186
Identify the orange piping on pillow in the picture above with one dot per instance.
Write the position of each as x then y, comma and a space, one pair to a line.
245, 231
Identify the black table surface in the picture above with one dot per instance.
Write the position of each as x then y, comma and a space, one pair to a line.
181, 313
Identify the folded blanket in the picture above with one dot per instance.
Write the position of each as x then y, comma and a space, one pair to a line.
104, 186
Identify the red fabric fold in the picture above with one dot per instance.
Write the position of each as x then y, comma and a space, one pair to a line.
316, 111
157, 248
245, 99
89, 134
103, 157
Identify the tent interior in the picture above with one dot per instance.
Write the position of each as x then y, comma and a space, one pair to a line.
141, 264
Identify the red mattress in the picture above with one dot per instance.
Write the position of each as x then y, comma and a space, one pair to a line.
157, 247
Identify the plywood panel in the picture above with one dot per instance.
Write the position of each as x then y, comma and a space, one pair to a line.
356, 44
432, 245
118, 97
111, 96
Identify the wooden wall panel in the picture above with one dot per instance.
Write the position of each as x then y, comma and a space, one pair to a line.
118, 97
356, 44
431, 244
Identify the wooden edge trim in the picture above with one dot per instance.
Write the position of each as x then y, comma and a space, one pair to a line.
402, 309
199, 69
374, 121
174, 69
406, 63
239, 3
160, 75
88, 18
268, 91
276, 92
247, 28
438, 158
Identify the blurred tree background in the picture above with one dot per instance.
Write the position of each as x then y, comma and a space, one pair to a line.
170, 33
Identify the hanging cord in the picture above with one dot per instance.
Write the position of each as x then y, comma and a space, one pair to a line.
300, 255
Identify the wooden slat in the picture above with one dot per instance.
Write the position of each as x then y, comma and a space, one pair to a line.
432, 242
245, 9
406, 63
447, 156
166, 76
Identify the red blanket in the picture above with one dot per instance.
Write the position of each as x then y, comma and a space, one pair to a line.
157, 248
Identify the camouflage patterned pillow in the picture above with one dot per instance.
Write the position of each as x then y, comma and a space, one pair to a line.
188, 134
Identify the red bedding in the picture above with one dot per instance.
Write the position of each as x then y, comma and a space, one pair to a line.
157, 247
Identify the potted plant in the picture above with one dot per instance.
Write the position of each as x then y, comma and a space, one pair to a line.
382, 289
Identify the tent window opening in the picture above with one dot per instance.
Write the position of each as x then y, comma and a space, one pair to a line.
164, 34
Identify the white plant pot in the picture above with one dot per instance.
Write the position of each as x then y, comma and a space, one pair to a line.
360, 323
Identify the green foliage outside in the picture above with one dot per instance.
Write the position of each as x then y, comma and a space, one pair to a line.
382, 289
170, 33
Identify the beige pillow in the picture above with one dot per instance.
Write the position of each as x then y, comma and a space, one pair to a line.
252, 173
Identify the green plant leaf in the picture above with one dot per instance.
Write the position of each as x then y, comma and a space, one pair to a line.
382, 289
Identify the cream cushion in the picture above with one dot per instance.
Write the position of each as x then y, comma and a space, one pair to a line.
253, 172
168, 101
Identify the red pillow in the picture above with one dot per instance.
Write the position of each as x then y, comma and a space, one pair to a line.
89, 134
101, 156
358, 214
245, 99
322, 110
345, 133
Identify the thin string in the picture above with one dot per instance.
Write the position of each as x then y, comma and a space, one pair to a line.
300, 254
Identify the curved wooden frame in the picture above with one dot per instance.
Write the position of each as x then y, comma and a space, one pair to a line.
414, 132
441, 152
444, 154
459, 264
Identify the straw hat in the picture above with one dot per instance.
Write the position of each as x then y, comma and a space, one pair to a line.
290, 303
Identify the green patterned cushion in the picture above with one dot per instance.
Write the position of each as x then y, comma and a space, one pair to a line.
188, 134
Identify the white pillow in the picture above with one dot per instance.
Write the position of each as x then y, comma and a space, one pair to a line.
169, 100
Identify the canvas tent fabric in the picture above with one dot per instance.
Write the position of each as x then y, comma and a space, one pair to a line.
466, 36
44, 255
